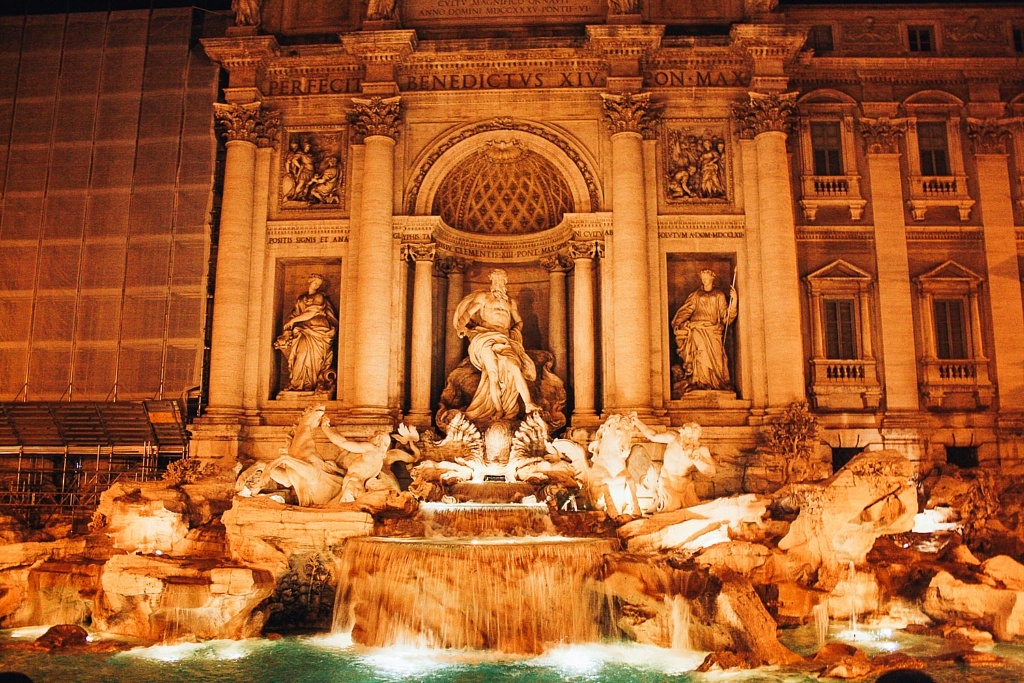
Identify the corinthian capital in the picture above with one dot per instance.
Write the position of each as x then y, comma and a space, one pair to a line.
988, 135
248, 122
421, 252
628, 113
765, 112
883, 134
580, 250
376, 116
557, 263
447, 265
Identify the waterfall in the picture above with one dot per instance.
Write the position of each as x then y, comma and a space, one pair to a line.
516, 595
852, 580
820, 614
680, 623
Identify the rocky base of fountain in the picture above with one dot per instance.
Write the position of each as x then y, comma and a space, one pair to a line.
165, 562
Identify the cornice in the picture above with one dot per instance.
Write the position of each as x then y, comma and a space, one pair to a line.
233, 52
832, 233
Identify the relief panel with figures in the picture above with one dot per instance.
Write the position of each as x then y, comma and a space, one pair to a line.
313, 170
696, 165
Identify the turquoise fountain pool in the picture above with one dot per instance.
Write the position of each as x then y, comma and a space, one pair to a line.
334, 658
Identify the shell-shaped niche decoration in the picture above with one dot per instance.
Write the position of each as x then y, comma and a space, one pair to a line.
504, 188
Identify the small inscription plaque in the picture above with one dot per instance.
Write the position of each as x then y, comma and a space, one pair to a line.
424, 12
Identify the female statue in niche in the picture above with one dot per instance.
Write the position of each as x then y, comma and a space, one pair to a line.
699, 328
307, 340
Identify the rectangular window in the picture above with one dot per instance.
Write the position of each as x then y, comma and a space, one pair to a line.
919, 39
819, 38
1018, 40
933, 147
827, 145
840, 330
950, 329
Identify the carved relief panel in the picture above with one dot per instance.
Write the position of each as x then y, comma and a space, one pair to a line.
312, 170
696, 167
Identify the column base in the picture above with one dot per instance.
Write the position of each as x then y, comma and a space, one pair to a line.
419, 419
585, 418
371, 416
221, 415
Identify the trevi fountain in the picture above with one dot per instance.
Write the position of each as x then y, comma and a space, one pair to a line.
490, 545
508, 377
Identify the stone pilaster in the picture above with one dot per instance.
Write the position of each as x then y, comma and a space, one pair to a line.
768, 119
557, 266
454, 268
899, 356
989, 139
377, 121
629, 118
583, 367
243, 126
422, 256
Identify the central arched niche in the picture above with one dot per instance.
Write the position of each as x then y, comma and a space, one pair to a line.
503, 188
492, 180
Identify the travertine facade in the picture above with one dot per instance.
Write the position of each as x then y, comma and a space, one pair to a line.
856, 174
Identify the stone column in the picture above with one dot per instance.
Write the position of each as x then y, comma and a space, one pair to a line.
455, 269
895, 304
557, 266
422, 255
255, 354
244, 124
768, 119
995, 198
628, 118
583, 369
377, 120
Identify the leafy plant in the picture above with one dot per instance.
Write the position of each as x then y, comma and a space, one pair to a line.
187, 471
793, 436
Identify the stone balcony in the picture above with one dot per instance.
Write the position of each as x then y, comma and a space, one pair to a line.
843, 385
836, 190
931, 191
960, 384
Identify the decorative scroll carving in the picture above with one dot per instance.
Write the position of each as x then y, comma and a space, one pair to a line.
506, 189
882, 135
765, 112
247, 12
420, 252
695, 165
505, 123
247, 122
446, 265
376, 116
562, 262
988, 135
629, 113
585, 250
870, 32
973, 30
312, 172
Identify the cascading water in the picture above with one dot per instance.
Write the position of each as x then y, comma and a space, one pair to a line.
681, 616
515, 595
820, 614
853, 598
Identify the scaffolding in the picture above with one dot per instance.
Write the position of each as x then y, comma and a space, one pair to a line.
57, 458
